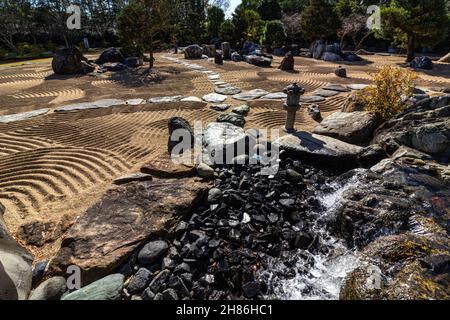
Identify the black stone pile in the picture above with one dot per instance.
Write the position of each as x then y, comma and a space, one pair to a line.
246, 219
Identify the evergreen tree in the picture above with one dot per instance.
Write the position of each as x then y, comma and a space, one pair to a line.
319, 20
274, 33
215, 18
413, 22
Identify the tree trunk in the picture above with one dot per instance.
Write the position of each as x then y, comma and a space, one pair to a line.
410, 49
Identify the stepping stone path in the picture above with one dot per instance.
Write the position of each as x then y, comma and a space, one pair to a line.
224, 89
23, 115
242, 110
214, 98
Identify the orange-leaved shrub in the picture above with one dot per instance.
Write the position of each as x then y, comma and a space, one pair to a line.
387, 96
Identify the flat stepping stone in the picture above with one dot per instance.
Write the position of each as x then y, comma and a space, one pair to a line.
336, 87
311, 99
214, 77
220, 107
275, 96
250, 95
165, 99
164, 167
139, 176
325, 93
357, 86
219, 82
228, 90
214, 98
104, 103
135, 102
192, 99
23, 115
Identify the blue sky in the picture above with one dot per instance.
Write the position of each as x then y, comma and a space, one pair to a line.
233, 5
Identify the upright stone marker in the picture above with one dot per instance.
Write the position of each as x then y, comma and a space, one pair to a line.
226, 50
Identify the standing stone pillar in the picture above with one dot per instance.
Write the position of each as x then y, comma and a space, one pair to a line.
292, 105
226, 50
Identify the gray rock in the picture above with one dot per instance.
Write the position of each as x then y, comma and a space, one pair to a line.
232, 118
132, 177
139, 281
311, 99
220, 107
228, 90
320, 149
220, 140
157, 283
114, 66
226, 50
192, 99
15, 266
170, 294
275, 96
422, 63
336, 87
168, 99
236, 57
205, 171
104, 103
357, 86
242, 110
214, 98
110, 55
135, 102
432, 138
325, 93
152, 252
258, 60
193, 52
68, 61
107, 288
352, 127
330, 56
250, 95
214, 196
51, 289
23, 115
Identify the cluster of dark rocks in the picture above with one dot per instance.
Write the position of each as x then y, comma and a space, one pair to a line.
71, 61
246, 218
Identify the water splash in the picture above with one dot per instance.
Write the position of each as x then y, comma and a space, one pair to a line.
314, 276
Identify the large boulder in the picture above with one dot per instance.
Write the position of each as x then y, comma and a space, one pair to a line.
108, 232
193, 51
331, 56
259, 61
111, 55
221, 141
422, 63
319, 149
424, 126
352, 127
15, 266
287, 64
402, 267
68, 61
50, 289
209, 50
387, 198
317, 49
182, 128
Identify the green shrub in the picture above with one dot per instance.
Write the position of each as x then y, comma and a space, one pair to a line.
274, 33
